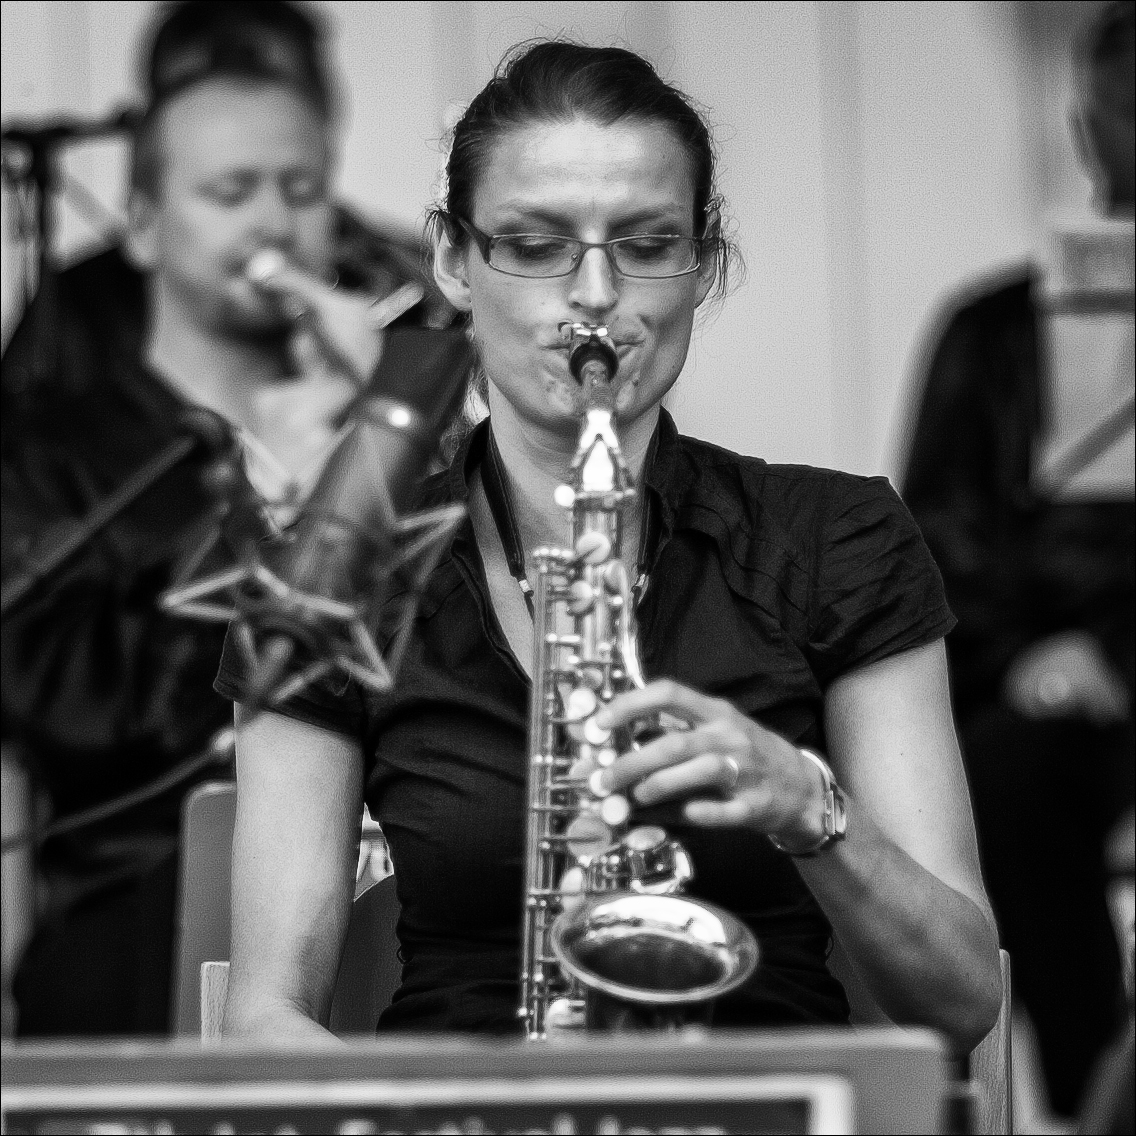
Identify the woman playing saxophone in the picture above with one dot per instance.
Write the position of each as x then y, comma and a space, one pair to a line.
790, 621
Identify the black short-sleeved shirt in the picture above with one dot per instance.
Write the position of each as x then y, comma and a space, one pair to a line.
767, 582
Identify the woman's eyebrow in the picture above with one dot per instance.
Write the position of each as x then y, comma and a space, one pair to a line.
514, 213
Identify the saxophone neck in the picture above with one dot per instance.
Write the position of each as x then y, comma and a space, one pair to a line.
599, 465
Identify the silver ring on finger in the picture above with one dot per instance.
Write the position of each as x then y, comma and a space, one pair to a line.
735, 772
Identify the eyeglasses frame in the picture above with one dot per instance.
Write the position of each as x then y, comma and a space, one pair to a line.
486, 241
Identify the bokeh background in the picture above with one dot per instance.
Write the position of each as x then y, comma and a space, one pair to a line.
874, 155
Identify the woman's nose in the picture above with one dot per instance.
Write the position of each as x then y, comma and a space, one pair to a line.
595, 285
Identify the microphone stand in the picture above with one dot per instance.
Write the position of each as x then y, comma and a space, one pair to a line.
38, 144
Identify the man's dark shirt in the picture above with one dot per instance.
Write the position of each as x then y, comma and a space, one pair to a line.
1017, 567
767, 583
102, 692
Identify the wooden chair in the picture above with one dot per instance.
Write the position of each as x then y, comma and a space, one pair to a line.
202, 930
991, 1068
990, 1064
369, 970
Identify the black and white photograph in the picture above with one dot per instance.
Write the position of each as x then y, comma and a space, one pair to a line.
568, 567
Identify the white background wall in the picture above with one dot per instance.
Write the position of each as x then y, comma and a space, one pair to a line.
874, 155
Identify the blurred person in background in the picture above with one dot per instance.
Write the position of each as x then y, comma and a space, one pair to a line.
1021, 478
102, 692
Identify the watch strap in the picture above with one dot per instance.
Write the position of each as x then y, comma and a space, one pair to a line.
835, 820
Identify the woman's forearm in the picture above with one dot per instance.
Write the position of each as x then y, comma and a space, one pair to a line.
277, 1023
926, 952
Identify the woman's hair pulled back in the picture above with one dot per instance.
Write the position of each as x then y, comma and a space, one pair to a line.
558, 81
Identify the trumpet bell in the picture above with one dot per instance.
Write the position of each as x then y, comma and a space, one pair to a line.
653, 962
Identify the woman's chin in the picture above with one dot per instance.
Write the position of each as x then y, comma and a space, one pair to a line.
625, 398
565, 398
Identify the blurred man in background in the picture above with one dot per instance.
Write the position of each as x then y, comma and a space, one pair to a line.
1021, 477
104, 694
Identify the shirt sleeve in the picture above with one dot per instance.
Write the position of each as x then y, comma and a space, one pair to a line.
333, 702
877, 590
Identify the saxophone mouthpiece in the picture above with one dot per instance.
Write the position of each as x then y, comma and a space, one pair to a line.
590, 344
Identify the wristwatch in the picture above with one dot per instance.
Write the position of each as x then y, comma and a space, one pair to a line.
835, 813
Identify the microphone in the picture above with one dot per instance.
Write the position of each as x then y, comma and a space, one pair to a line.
351, 567
200, 432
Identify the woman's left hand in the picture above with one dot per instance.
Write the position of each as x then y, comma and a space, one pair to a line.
728, 770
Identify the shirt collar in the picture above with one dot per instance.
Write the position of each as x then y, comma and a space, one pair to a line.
660, 476
661, 473
468, 457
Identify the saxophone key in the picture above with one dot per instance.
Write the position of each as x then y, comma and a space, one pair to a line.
587, 836
582, 768
581, 597
615, 578
595, 734
579, 708
615, 810
599, 784
657, 864
566, 1017
593, 547
594, 676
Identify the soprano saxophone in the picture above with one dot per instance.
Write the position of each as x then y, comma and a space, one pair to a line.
629, 952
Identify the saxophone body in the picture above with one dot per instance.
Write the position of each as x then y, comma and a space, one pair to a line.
629, 951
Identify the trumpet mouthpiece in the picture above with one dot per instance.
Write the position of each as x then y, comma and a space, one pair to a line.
264, 265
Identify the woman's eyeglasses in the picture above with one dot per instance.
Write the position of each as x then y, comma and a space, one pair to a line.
648, 256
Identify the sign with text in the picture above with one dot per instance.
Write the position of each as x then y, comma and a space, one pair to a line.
563, 1106
800, 1082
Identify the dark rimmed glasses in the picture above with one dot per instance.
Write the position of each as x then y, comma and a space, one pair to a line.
645, 256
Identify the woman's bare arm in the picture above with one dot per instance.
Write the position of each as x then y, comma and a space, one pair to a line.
299, 805
903, 891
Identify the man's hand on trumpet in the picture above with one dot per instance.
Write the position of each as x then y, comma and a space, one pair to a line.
344, 328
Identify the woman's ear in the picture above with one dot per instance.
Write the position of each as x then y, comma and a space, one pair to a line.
451, 270
140, 243
712, 265
707, 274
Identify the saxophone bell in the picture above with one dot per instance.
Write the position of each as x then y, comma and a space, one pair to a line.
652, 962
